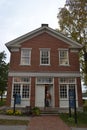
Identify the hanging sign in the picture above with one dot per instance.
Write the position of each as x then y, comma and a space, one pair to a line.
17, 99
71, 98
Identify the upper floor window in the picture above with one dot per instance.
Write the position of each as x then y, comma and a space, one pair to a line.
25, 56
44, 57
63, 57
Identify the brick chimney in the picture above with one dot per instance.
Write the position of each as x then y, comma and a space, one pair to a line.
44, 25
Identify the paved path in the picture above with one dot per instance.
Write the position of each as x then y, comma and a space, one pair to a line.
47, 123
79, 128
38, 123
12, 127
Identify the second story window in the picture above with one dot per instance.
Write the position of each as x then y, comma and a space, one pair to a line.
44, 57
25, 56
63, 57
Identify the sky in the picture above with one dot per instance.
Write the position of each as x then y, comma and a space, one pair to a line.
18, 17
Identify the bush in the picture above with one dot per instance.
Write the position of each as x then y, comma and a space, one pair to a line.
36, 111
71, 119
11, 112
2, 103
85, 108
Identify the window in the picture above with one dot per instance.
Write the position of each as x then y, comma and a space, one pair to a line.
44, 80
44, 57
21, 86
63, 91
66, 84
63, 57
25, 56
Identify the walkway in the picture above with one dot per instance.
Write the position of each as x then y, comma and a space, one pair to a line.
47, 123
38, 123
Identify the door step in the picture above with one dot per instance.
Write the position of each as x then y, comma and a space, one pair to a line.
49, 111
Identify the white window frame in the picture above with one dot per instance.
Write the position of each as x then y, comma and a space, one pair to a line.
44, 80
47, 50
67, 81
21, 83
66, 62
28, 57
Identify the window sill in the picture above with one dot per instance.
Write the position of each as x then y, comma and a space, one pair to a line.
65, 65
25, 65
45, 65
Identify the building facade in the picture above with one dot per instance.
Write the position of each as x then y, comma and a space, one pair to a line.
44, 62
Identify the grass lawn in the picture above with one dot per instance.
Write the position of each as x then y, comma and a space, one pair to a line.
81, 119
13, 122
2, 103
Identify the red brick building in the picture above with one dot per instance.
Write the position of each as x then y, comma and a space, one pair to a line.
42, 61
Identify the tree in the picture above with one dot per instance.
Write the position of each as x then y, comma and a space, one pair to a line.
72, 19
3, 73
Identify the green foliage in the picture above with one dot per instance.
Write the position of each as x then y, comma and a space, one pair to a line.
36, 111
3, 73
72, 20
85, 106
11, 112
13, 122
71, 119
2, 103
81, 119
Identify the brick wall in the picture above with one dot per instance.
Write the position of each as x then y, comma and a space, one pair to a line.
44, 41
9, 90
79, 92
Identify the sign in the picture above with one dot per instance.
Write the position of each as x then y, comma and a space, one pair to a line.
72, 98
17, 99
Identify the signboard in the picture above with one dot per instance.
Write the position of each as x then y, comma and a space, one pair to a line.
72, 98
17, 99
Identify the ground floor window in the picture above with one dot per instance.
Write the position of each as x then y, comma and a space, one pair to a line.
66, 84
21, 86
64, 90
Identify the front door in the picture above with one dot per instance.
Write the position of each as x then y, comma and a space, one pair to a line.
40, 96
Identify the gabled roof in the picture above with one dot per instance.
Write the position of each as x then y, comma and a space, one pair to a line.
44, 28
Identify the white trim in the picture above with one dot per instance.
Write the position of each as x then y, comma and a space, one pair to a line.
14, 49
74, 50
36, 74
19, 40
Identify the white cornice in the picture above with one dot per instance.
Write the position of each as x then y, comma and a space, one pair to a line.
37, 74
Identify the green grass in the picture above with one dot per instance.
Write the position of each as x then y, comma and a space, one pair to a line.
13, 122
81, 119
2, 103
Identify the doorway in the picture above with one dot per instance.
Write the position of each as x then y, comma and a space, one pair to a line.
44, 95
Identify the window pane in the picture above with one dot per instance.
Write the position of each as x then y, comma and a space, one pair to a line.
16, 89
67, 80
25, 91
44, 80
25, 56
45, 57
63, 91
63, 55
21, 79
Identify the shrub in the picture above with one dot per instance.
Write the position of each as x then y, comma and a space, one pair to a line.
85, 108
11, 112
36, 111
71, 119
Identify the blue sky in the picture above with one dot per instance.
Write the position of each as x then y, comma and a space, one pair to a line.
18, 17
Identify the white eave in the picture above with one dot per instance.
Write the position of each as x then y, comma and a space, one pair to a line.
17, 42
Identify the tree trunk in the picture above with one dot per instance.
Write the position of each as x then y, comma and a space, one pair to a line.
1, 96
